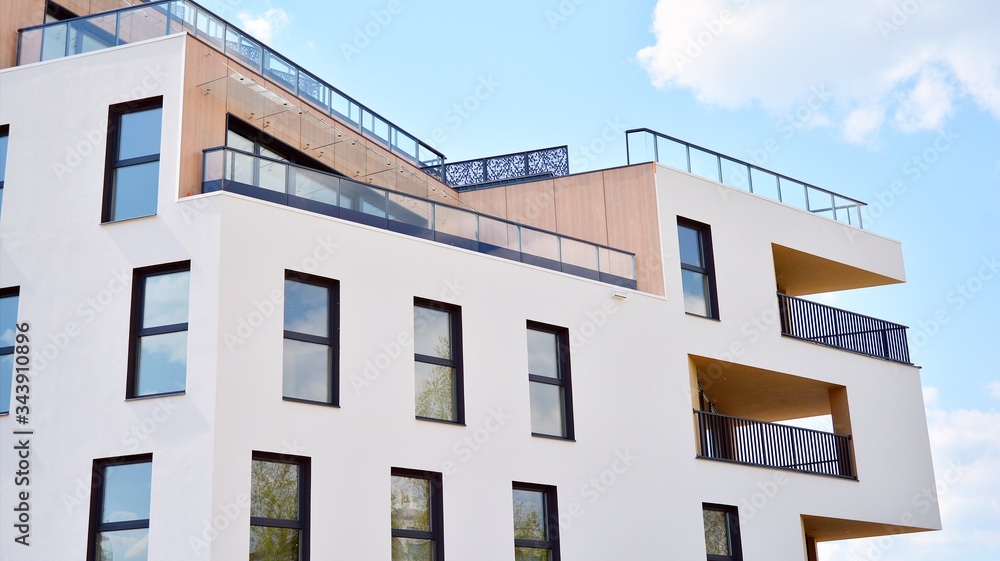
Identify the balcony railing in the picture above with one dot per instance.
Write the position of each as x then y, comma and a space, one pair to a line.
645, 145
507, 168
757, 443
332, 195
157, 19
826, 325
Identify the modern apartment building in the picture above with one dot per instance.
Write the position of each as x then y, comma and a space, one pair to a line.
242, 315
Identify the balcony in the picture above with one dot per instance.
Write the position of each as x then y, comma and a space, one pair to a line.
165, 17
772, 445
833, 327
494, 171
332, 195
645, 145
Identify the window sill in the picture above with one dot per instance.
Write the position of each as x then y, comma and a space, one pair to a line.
702, 317
441, 421
154, 395
553, 437
103, 222
310, 402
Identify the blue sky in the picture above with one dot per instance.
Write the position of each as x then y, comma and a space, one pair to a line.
893, 102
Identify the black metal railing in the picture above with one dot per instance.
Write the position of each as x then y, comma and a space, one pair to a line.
826, 325
506, 168
773, 445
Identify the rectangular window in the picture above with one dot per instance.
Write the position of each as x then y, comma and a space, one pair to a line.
4, 136
119, 508
417, 516
8, 334
310, 369
279, 507
158, 349
722, 532
549, 381
697, 268
437, 354
133, 159
536, 523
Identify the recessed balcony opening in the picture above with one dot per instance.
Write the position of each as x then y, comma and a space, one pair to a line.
759, 417
821, 529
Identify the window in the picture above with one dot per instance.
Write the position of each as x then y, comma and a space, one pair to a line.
697, 269
8, 331
437, 354
417, 516
536, 523
279, 508
310, 367
549, 381
158, 350
119, 508
133, 169
722, 532
4, 136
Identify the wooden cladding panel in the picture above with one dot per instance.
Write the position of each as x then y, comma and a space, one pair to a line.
580, 207
633, 221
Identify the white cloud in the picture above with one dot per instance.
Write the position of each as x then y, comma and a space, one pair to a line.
966, 449
266, 25
994, 389
899, 63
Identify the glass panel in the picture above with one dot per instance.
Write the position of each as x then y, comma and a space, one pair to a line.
531, 554
530, 521
540, 244
165, 299
410, 549
704, 164
547, 409
139, 134
498, 233
315, 186
411, 503
820, 202
409, 210
240, 142
690, 246
162, 363
272, 175
640, 147
6, 377
93, 34
764, 184
307, 308
617, 263
126, 492
435, 391
242, 168
311, 89
3, 156
274, 544
31, 46
841, 212
306, 371
543, 351
242, 47
854, 215
214, 166
456, 222
431, 332
356, 196
695, 293
579, 253
735, 174
54, 42
342, 106
405, 143
793, 193
139, 25
716, 532
274, 490
211, 29
123, 545
671, 153
8, 319
281, 70
134, 191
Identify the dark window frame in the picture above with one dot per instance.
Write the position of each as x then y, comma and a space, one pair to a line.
98, 479
57, 12
263, 139
14, 291
551, 518
733, 523
137, 332
4, 132
565, 380
333, 330
303, 522
112, 163
708, 255
457, 361
436, 533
